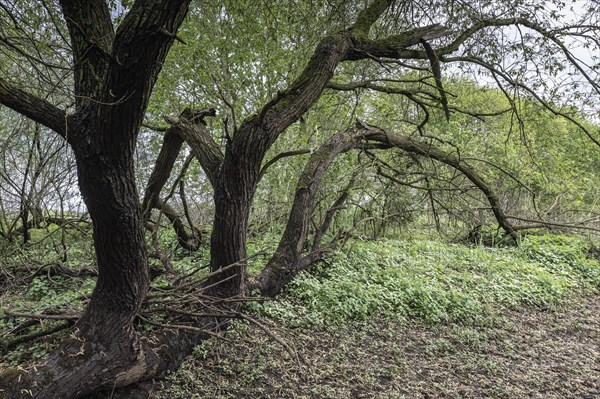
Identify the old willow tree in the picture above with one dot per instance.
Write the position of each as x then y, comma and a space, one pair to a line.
101, 69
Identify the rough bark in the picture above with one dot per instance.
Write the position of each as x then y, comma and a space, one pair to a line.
189, 126
92, 35
192, 128
106, 326
185, 240
163, 166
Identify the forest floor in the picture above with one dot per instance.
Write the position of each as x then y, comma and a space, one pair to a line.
527, 352
388, 319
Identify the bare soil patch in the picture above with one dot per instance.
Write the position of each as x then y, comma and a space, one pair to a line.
526, 353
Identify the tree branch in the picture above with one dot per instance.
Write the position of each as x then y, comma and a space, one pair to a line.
139, 49
279, 156
286, 262
396, 46
34, 108
347, 45
514, 83
190, 125
425, 149
368, 16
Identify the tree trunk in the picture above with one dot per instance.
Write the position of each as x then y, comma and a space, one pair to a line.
233, 193
104, 347
287, 260
109, 191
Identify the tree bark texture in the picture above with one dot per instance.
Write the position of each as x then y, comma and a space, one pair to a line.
287, 260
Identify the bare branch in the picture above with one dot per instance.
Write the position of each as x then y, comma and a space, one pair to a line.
514, 83
192, 128
437, 74
279, 156
39, 316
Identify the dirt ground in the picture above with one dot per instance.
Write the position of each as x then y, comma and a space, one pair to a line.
525, 353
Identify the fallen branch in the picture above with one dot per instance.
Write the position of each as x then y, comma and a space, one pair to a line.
39, 316
185, 327
30, 337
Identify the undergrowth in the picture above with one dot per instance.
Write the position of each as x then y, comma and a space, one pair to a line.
427, 281
435, 282
459, 335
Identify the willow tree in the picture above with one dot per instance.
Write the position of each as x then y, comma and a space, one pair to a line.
114, 64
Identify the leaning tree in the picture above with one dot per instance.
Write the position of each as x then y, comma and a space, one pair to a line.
113, 62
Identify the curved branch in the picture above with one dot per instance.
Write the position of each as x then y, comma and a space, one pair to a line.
287, 260
347, 45
191, 127
279, 156
410, 145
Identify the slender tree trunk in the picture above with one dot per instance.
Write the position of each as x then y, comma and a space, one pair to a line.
288, 259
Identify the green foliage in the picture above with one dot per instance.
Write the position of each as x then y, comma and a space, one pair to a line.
436, 282
43, 293
51, 294
563, 256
